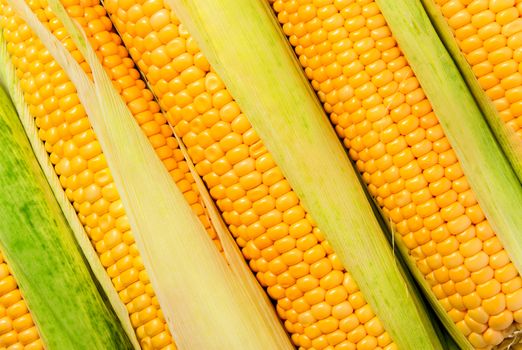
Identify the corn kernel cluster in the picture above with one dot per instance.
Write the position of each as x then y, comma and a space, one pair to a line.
489, 34
17, 330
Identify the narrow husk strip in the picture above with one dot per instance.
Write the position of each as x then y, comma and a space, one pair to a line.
262, 74
204, 298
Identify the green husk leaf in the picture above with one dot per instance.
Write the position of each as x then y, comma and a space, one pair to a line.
261, 72
203, 298
41, 251
511, 143
12, 85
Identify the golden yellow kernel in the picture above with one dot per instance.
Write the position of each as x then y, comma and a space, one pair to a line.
472, 300
493, 337
9, 338
477, 340
367, 343
357, 334
386, 341
501, 321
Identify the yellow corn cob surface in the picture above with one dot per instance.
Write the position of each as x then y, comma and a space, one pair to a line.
17, 330
316, 297
489, 34
382, 115
77, 156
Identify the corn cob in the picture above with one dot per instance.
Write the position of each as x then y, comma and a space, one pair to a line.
77, 156
285, 248
384, 119
485, 40
17, 329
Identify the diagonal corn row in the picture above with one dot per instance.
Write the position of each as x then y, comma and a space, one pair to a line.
489, 35
17, 329
383, 117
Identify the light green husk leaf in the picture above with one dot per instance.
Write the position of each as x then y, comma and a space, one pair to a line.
11, 84
245, 46
511, 143
204, 299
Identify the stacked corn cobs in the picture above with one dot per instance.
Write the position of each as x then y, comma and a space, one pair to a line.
243, 155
